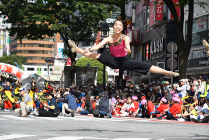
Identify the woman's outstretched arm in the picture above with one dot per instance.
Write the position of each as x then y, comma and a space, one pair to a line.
127, 44
96, 47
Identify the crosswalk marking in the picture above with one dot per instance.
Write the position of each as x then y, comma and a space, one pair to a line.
13, 136
15, 117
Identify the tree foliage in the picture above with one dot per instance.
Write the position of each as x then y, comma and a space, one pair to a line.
93, 63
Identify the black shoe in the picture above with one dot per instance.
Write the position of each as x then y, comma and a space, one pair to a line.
200, 121
194, 120
72, 114
160, 118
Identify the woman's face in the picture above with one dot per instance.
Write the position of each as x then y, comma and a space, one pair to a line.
118, 27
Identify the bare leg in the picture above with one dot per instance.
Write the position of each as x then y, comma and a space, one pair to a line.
158, 70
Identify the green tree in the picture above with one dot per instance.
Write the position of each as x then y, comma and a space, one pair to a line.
74, 20
11, 59
93, 63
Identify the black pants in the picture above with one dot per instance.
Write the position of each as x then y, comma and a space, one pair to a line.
43, 113
170, 117
206, 119
145, 115
123, 63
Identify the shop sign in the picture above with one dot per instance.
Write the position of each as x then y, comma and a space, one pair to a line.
157, 46
198, 58
159, 10
152, 13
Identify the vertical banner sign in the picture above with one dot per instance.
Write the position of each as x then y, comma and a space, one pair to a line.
177, 5
152, 13
147, 51
60, 47
128, 26
145, 2
159, 10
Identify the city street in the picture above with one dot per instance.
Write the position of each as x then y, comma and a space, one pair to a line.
88, 128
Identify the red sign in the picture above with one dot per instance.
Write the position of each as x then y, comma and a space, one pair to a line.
145, 2
159, 11
127, 77
152, 14
177, 5
147, 51
69, 62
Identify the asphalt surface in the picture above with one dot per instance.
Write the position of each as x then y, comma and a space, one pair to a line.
90, 128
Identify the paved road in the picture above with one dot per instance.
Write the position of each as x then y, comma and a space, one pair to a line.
89, 128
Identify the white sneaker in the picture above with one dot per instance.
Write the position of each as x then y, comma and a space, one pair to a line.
5, 109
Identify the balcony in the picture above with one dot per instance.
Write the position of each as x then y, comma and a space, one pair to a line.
135, 36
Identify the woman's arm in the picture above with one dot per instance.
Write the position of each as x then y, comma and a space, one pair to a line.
96, 47
127, 44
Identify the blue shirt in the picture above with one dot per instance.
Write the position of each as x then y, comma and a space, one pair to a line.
53, 102
157, 95
81, 95
71, 102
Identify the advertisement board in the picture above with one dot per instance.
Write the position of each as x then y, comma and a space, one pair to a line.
60, 47
159, 11
152, 14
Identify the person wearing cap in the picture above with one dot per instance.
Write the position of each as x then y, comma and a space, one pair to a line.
174, 110
105, 106
203, 87
51, 109
167, 95
69, 105
163, 105
182, 88
128, 108
26, 106
150, 109
124, 93
7, 97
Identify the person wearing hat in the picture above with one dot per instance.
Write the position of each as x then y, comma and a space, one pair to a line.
167, 95
53, 110
150, 109
69, 105
26, 106
182, 88
104, 106
163, 105
174, 110
203, 90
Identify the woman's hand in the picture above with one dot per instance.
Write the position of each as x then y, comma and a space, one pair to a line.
128, 51
87, 49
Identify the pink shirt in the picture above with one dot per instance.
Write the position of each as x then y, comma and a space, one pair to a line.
119, 50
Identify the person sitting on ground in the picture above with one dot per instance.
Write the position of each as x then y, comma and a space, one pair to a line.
152, 98
81, 107
163, 105
175, 109
26, 106
51, 109
78, 101
88, 109
69, 105
105, 106
136, 104
190, 114
150, 109
128, 108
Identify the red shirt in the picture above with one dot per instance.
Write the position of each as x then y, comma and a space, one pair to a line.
150, 108
162, 107
136, 104
175, 109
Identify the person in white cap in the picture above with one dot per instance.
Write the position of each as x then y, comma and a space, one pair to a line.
26, 106
182, 88
69, 105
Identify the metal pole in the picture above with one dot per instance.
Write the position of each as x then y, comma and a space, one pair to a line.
172, 66
104, 77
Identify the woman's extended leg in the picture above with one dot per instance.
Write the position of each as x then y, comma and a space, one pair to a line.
159, 70
74, 48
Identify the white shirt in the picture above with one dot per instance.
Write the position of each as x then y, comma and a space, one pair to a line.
182, 90
205, 106
202, 88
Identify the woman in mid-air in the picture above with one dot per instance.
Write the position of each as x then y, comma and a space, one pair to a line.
119, 46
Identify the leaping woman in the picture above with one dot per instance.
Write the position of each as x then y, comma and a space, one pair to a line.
119, 46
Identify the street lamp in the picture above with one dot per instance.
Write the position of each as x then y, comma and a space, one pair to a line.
104, 33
